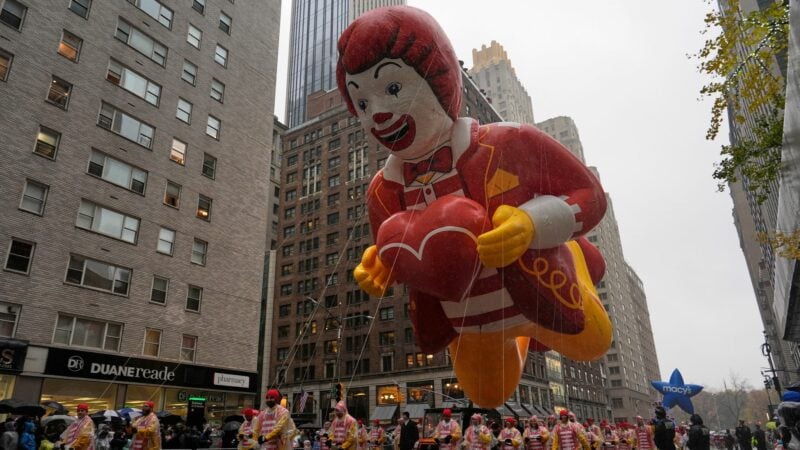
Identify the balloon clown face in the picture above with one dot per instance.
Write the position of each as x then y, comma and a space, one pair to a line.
399, 109
491, 249
399, 74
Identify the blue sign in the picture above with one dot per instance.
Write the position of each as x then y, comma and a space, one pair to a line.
676, 392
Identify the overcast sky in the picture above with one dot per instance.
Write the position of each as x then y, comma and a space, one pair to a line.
619, 69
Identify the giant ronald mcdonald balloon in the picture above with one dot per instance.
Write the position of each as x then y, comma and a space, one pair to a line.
483, 223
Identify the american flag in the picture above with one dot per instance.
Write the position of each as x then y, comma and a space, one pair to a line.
301, 401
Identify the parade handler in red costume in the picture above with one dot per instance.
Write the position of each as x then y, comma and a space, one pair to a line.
483, 223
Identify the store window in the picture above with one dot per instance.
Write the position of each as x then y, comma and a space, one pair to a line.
138, 394
358, 402
6, 386
420, 392
451, 388
98, 395
388, 395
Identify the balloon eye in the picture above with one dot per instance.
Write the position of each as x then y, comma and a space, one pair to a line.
362, 104
393, 88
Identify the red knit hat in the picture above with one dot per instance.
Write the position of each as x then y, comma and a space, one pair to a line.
447, 412
274, 393
82, 406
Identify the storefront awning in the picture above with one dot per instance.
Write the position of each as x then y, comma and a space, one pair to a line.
416, 410
504, 411
452, 404
518, 410
543, 412
384, 413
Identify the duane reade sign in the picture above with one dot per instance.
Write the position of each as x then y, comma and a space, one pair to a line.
67, 362
230, 380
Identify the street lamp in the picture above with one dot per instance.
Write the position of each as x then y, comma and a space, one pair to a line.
767, 384
766, 350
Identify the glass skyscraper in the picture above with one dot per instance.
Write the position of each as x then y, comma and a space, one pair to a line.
316, 27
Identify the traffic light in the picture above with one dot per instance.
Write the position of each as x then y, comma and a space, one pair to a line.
339, 389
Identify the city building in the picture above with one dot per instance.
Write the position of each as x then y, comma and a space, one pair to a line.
617, 388
787, 270
133, 226
754, 218
493, 73
316, 27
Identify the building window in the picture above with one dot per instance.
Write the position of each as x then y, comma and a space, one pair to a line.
156, 10
209, 166
105, 221
613, 370
80, 7
8, 319
178, 151
70, 46
225, 22
387, 313
126, 126
34, 197
204, 207
199, 251
133, 82
212, 127
189, 73
98, 275
333, 218
386, 338
117, 172
5, 64
184, 111
387, 362
19, 258
282, 354
221, 56
283, 331
194, 36
80, 332
166, 241
59, 91
617, 403
217, 90
188, 347
13, 13
199, 5
172, 195
616, 383
193, 297
141, 42
152, 342
47, 142
158, 293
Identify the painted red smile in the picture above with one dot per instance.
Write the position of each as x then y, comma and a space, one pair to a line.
397, 136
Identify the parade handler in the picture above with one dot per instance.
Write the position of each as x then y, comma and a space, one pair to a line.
146, 429
79, 435
274, 425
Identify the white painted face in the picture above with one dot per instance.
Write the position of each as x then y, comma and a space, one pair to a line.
398, 109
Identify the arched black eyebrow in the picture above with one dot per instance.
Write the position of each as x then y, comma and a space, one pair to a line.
353, 83
378, 69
